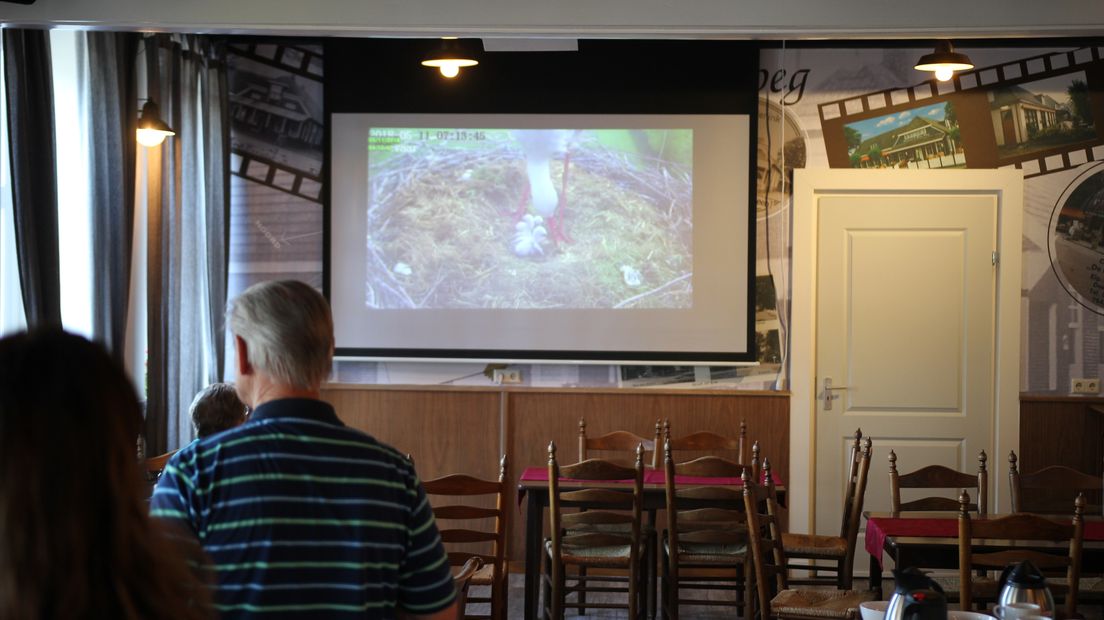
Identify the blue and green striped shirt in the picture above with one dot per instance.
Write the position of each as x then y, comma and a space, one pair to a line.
303, 516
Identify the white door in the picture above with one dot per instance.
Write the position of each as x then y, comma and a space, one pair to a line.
905, 317
906, 325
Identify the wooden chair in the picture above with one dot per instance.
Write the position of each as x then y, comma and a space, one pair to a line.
706, 529
462, 581
839, 549
470, 531
773, 596
617, 441
938, 477
1049, 484
156, 464
606, 535
706, 443
1020, 528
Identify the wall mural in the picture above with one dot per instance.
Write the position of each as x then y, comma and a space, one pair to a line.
276, 137
1034, 109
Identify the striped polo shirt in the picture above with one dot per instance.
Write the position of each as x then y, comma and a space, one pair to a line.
305, 517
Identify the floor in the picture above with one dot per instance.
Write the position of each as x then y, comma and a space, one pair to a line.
517, 598
517, 603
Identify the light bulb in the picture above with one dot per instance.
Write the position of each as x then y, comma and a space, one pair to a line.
450, 70
944, 74
152, 137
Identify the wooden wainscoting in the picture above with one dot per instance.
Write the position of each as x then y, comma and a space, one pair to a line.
449, 429
1060, 430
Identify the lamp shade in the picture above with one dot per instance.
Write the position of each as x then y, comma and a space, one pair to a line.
944, 61
450, 56
152, 131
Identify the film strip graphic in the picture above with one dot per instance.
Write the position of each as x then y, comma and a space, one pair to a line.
274, 116
993, 135
276, 175
304, 61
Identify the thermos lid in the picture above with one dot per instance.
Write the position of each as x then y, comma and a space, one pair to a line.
1024, 575
911, 579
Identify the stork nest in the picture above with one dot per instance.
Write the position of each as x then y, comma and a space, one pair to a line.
441, 222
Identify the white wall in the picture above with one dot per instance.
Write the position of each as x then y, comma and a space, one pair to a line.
690, 18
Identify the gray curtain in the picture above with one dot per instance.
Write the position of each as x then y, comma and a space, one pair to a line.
187, 233
30, 102
112, 118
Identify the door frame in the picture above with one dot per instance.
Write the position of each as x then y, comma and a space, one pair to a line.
1008, 187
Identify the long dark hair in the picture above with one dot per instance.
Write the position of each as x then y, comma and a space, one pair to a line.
75, 536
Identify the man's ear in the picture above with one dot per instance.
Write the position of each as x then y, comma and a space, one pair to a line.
242, 350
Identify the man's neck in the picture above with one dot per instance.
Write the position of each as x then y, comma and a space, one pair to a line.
267, 391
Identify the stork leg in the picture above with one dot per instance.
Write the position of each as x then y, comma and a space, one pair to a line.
523, 203
555, 223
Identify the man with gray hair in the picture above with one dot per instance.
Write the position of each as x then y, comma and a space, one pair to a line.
302, 515
216, 408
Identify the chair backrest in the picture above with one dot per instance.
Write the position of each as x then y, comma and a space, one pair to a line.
1049, 483
462, 582
938, 477
1022, 528
765, 537
699, 512
617, 441
855, 496
612, 515
707, 443
469, 530
156, 464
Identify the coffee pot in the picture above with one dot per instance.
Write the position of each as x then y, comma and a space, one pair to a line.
916, 597
1024, 583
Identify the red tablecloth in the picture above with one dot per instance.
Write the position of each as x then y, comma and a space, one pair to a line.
878, 528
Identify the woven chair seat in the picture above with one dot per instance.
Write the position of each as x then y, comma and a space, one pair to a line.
708, 553
806, 545
984, 587
584, 555
818, 603
484, 576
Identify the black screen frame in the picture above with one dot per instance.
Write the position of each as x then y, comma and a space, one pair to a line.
602, 77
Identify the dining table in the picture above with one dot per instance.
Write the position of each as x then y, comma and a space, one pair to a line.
533, 492
929, 540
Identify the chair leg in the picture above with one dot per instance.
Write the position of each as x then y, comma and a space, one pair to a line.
499, 593
634, 592
665, 590
582, 590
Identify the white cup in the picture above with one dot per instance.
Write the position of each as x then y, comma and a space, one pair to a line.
1016, 611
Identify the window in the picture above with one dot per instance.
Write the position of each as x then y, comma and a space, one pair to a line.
74, 214
12, 317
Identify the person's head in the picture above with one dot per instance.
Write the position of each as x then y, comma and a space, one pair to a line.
75, 536
216, 408
284, 331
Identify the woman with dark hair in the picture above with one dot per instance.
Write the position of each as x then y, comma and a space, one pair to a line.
75, 537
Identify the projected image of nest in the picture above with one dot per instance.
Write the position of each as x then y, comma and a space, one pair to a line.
533, 219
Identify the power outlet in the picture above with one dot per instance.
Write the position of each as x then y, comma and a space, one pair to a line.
506, 376
1085, 386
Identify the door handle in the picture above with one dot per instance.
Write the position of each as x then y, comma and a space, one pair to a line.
828, 396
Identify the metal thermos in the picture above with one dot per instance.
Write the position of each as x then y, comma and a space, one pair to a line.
1024, 583
916, 597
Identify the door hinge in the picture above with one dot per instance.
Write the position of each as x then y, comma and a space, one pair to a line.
996, 258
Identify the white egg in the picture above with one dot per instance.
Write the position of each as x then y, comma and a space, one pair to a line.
631, 275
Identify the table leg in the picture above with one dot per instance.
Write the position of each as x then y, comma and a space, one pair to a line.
534, 527
651, 562
876, 575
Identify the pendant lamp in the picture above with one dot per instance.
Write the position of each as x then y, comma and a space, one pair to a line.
944, 61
